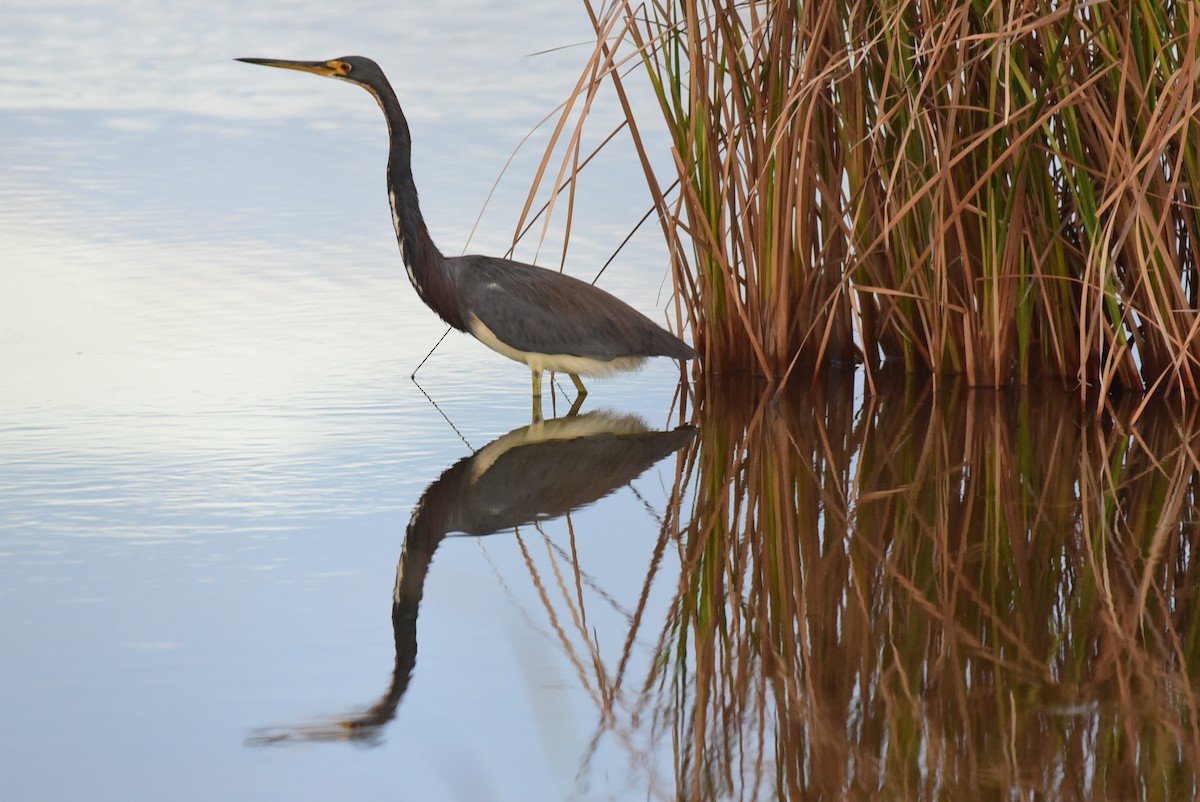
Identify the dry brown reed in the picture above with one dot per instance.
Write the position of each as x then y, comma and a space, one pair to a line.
1001, 191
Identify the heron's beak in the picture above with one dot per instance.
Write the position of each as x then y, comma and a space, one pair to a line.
327, 68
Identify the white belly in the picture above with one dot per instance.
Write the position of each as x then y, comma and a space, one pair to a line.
560, 363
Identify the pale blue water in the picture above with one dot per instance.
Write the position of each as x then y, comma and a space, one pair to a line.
210, 446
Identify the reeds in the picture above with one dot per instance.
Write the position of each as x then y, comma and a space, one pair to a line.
1001, 191
999, 601
932, 593
942, 593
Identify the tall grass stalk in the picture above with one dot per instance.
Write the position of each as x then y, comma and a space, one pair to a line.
1002, 191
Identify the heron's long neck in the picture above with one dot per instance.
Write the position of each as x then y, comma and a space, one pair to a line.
425, 264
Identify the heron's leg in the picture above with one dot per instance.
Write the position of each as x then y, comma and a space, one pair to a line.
575, 406
578, 384
537, 395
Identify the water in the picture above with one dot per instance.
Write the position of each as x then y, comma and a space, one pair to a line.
232, 552
211, 444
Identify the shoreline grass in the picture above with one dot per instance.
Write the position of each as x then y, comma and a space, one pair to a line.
1002, 192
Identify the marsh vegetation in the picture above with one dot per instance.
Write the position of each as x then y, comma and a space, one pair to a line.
1002, 192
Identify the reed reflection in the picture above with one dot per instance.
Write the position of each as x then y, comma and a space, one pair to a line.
953, 594
535, 473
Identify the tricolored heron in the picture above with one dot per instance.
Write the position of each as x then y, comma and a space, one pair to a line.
545, 319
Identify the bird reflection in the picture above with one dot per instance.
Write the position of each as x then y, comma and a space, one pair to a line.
536, 473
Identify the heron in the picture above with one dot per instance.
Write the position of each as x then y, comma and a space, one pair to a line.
543, 318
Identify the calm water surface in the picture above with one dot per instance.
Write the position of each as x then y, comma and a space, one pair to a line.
211, 447
242, 554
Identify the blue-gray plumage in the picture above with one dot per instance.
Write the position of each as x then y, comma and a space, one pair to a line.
542, 311
545, 319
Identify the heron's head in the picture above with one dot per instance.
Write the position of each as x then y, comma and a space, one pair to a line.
353, 69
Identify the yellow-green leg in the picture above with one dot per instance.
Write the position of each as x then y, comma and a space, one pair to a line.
580, 395
537, 395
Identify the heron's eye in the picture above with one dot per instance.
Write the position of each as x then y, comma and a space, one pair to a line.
343, 68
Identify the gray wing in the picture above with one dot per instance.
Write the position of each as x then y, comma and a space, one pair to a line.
542, 311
